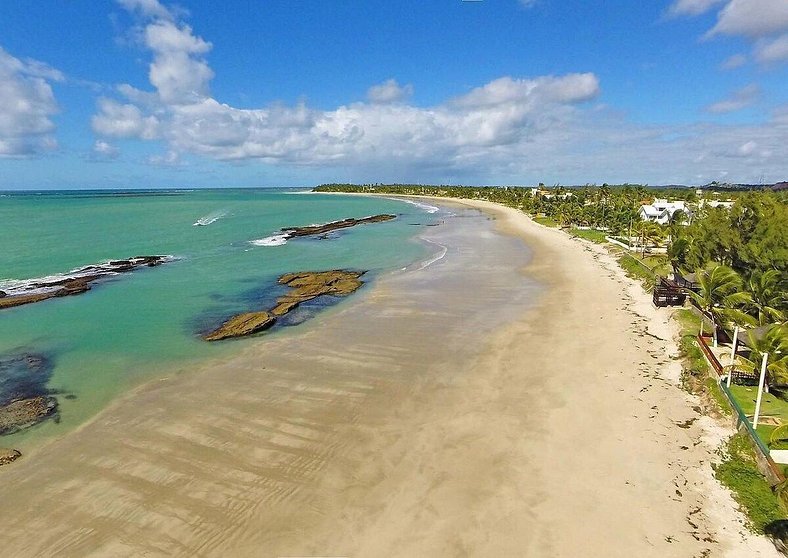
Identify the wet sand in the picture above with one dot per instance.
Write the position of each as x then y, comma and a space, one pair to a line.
502, 401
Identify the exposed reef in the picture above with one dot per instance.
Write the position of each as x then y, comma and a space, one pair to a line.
25, 399
17, 293
311, 230
305, 286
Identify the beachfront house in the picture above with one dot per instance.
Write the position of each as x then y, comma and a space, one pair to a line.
662, 211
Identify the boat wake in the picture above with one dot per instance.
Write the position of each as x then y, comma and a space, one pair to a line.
208, 219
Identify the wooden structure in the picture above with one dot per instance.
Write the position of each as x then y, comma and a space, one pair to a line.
668, 293
689, 281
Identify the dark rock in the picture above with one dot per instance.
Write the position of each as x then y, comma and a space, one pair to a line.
292, 232
9, 455
2, 294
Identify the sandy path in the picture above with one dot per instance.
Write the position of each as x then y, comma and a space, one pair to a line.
408, 424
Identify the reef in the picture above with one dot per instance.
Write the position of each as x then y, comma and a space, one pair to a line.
305, 286
78, 281
311, 230
25, 399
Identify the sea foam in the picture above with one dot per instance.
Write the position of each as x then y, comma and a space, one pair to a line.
274, 240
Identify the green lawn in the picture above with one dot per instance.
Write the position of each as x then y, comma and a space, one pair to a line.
771, 406
590, 234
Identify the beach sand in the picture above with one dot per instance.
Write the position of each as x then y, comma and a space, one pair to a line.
505, 400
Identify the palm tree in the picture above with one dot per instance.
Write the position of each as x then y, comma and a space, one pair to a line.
720, 295
677, 253
649, 233
768, 298
774, 343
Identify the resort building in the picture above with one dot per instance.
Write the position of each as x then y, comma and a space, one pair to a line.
661, 211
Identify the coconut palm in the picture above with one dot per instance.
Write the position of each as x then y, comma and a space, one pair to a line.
774, 343
649, 233
720, 295
677, 253
768, 298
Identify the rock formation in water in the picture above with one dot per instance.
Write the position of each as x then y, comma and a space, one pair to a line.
24, 413
17, 293
25, 399
291, 232
305, 286
8, 456
242, 324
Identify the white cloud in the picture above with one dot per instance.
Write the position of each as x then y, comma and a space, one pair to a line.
147, 8
528, 3
740, 99
733, 62
772, 51
27, 103
752, 18
511, 129
389, 92
124, 121
571, 88
168, 159
691, 7
104, 150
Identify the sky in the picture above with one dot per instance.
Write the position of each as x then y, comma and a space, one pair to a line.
251, 93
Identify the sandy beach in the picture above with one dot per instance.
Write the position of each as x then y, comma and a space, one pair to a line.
516, 397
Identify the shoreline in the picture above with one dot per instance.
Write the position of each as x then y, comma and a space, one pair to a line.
496, 446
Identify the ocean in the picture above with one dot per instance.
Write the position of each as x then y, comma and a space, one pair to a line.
129, 328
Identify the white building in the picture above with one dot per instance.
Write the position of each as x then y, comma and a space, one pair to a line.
726, 204
661, 211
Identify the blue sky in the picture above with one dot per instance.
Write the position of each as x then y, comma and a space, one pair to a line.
143, 93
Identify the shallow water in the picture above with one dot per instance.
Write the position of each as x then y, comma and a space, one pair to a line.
134, 325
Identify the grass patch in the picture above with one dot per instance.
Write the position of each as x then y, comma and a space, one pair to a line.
698, 377
636, 269
590, 234
546, 221
740, 474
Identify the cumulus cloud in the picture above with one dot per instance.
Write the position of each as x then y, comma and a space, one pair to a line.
124, 121
740, 99
691, 7
389, 92
28, 104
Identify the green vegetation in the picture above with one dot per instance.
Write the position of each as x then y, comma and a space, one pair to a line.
593, 235
739, 472
698, 377
546, 221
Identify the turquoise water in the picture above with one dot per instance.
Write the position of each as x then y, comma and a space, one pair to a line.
133, 325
